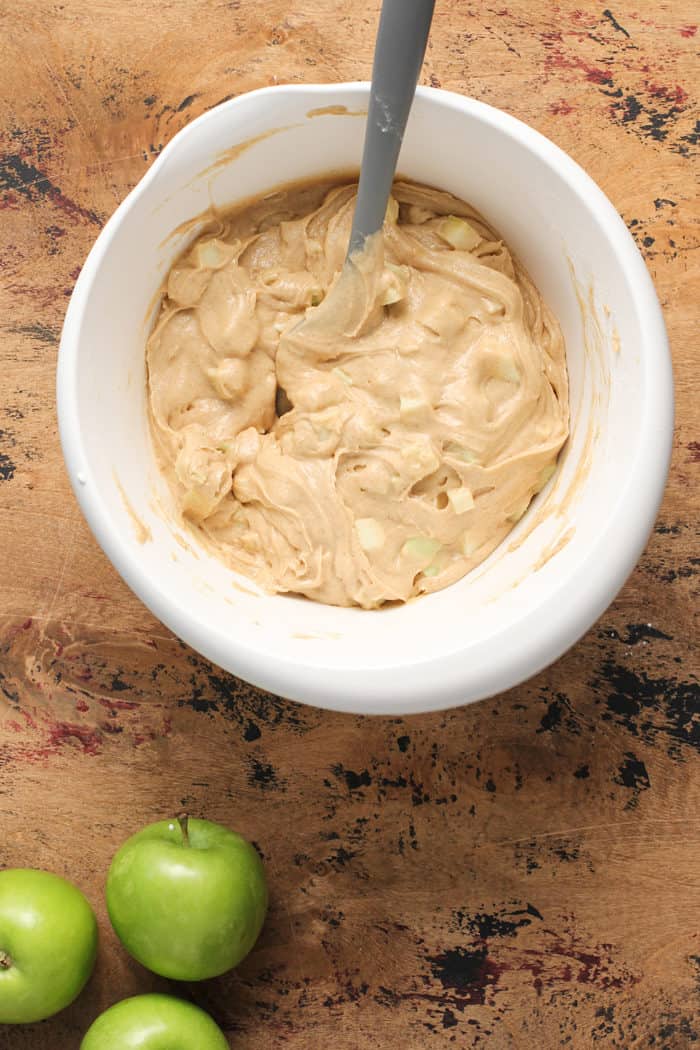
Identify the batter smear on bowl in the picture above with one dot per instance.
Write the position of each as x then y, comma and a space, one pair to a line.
385, 447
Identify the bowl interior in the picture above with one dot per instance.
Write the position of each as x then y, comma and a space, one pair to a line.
493, 627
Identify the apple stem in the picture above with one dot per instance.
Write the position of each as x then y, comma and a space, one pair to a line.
5, 961
182, 821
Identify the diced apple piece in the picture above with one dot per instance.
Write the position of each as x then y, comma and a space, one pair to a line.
459, 233
395, 280
420, 458
461, 499
410, 407
212, 254
392, 211
391, 295
469, 545
422, 548
460, 452
370, 534
507, 369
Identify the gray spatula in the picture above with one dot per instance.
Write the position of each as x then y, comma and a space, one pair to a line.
398, 56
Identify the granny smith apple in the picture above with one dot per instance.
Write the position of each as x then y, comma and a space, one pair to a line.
48, 944
154, 1022
187, 898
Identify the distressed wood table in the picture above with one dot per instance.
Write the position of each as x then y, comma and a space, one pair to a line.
521, 872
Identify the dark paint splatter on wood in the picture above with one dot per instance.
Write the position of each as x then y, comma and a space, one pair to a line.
675, 1026
664, 529
262, 774
638, 632
17, 176
219, 102
607, 13
342, 856
628, 110
559, 714
354, 780
470, 974
40, 333
649, 707
251, 732
7, 467
656, 111
466, 971
683, 572
632, 773
448, 1019
218, 693
566, 853
552, 718
484, 925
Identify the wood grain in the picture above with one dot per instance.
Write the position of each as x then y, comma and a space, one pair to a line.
520, 872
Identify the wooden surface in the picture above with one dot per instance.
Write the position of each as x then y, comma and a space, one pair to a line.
522, 872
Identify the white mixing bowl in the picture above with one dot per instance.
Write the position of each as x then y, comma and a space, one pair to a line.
551, 578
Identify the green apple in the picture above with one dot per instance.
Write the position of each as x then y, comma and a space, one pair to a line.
187, 898
154, 1022
48, 944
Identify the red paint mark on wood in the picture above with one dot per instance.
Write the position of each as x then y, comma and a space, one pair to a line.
61, 733
556, 59
70, 208
595, 75
119, 705
694, 450
688, 31
677, 95
471, 974
58, 735
82, 705
562, 108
